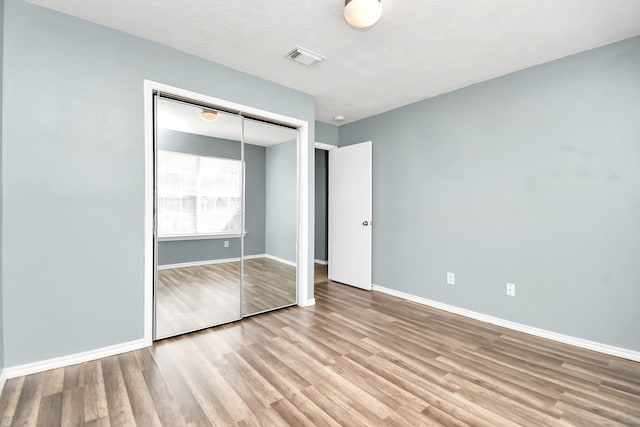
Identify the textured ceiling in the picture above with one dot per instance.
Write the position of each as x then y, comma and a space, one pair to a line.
419, 49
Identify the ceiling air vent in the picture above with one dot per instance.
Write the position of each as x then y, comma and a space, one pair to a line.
305, 56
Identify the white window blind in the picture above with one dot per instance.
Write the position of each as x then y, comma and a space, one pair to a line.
198, 194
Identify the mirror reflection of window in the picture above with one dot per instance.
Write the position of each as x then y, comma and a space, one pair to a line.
198, 195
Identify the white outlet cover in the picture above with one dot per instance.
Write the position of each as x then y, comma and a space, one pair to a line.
451, 278
511, 289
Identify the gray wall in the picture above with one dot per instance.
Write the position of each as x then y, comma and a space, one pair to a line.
1, 132
327, 134
532, 178
321, 194
179, 251
281, 215
184, 142
74, 178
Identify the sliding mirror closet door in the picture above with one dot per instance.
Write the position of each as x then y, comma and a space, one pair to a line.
199, 179
269, 261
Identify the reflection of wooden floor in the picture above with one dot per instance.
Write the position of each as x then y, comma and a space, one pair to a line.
321, 273
196, 297
267, 284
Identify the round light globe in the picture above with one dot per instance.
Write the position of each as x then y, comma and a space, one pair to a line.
362, 13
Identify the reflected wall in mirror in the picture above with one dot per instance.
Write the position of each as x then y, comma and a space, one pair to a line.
269, 278
198, 219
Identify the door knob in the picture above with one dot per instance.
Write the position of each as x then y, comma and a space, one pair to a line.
365, 223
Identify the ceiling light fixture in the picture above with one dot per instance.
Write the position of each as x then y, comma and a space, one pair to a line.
362, 13
208, 115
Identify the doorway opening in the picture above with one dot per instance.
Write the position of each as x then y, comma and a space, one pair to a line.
321, 240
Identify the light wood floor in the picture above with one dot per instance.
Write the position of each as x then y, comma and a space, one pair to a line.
195, 297
356, 358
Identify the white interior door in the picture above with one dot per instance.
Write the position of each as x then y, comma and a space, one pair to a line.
350, 215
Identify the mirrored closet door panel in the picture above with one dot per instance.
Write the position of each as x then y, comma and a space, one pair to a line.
269, 260
199, 174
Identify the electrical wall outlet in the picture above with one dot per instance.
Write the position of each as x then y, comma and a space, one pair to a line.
451, 278
511, 289
226, 243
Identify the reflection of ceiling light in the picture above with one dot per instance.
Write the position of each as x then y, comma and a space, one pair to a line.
362, 13
208, 115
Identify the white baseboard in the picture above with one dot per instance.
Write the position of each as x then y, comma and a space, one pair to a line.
222, 261
566, 339
282, 260
307, 303
320, 261
254, 256
207, 262
3, 379
72, 359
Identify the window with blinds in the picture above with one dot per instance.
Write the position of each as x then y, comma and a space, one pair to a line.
198, 195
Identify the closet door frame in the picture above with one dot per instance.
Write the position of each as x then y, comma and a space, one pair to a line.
303, 146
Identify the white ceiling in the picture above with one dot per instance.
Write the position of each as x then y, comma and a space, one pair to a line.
186, 118
419, 49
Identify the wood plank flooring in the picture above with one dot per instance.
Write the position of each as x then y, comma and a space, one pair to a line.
356, 358
190, 298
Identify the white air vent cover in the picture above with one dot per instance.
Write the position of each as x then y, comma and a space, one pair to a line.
305, 56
